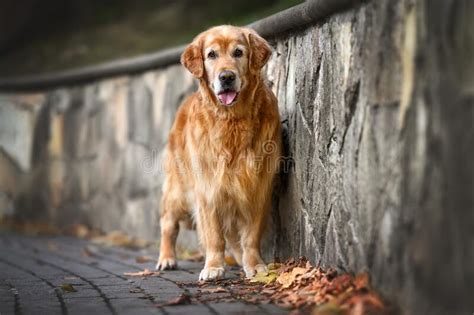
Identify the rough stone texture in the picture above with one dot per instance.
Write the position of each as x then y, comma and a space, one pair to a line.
378, 105
90, 154
379, 108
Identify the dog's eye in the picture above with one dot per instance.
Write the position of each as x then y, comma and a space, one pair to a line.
212, 54
238, 53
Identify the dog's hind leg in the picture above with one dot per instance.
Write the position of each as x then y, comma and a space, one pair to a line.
171, 213
169, 232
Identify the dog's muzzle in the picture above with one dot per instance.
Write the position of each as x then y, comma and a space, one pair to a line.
227, 93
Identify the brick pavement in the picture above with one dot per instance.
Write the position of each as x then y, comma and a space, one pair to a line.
35, 270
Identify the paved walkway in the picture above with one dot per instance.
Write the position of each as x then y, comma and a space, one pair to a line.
37, 273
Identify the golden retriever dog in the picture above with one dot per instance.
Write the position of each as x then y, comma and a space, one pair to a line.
223, 152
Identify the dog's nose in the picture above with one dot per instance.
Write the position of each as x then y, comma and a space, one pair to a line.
227, 77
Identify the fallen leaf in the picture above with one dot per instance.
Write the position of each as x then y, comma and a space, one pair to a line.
274, 266
118, 238
180, 300
328, 309
230, 261
52, 246
80, 231
124, 256
285, 279
67, 287
189, 255
29, 228
264, 277
268, 291
299, 271
143, 259
144, 273
87, 252
215, 290
135, 290
362, 281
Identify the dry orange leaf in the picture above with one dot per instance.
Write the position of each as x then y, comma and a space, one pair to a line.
215, 290
80, 231
118, 238
182, 299
230, 261
87, 252
285, 279
362, 281
144, 273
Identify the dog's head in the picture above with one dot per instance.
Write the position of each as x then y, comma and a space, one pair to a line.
225, 59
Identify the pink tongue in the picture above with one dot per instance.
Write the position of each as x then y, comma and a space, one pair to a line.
227, 97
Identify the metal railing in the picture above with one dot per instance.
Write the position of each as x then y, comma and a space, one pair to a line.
291, 19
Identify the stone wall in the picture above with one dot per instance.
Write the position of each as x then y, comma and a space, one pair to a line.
378, 108
90, 154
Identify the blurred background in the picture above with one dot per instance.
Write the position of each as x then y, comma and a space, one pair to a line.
40, 36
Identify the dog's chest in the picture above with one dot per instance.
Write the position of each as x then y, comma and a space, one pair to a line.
230, 142
227, 156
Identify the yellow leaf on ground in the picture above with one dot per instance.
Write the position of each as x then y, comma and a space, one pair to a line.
66, 287
264, 277
274, 266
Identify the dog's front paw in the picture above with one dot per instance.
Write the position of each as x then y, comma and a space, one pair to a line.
166, 264
211, 273
251, 271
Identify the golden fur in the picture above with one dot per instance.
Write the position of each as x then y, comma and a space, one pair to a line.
221, 161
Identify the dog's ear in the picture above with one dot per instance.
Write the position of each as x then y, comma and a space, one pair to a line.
260, 51
192, 59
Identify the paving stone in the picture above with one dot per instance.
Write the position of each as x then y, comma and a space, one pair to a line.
7, 307
163, 297
272, 309
188, 309
115, 292
110, 281
36, 274
82, 293
236, 308
8, 273
74, 281
134, 306
87, 306
6, 298
179, 276
39, 307
37, 294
